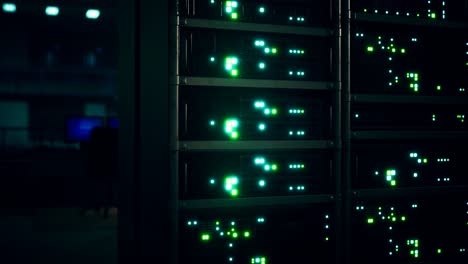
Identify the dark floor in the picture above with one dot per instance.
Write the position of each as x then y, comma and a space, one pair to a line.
61, 235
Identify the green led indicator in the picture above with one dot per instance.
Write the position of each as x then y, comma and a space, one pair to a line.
403, 51
205, 237
393, 183
425, 160
433, 16
439, 251
235, 235
274, 167
231, 66
370, 220
370, 49
439, 87
274, 50
261, 65
230, 185
246, 234
234, 16
274, 111
230, 128
261, 10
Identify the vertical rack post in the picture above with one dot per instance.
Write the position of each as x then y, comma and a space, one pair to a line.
346, 114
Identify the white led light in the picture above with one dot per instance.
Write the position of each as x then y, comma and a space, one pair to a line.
93, 13
9, 8
52, 11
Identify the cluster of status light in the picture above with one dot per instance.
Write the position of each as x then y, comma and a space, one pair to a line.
389, 47
443, 160
390, 176
232, 125
327, 227
265, 165
299, 188
389, 217
460, 118
466, 63
269, 50
296, 111
298, 73
231, 185
430, 13
391, 173
414, 81
446, 179
231, 64
260, 105
297, 166
393, 50
231, 9
299, 133
51, 10
297, 51
299, 19
258, 260
228, 233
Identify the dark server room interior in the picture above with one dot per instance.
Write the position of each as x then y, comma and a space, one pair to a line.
241, 131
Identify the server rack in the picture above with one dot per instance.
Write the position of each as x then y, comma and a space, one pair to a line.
174, 214
198, 209
401, 120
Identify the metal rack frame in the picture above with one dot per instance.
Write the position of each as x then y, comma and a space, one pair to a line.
150, 204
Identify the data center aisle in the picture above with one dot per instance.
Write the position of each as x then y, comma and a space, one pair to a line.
59, 235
